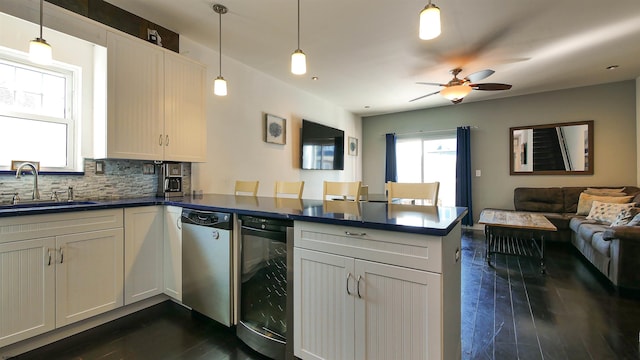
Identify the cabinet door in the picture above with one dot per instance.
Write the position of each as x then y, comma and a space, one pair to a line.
398, 313
143, 252
89, 274
323, 307
185, 123
27, 289
135, 99
173, 252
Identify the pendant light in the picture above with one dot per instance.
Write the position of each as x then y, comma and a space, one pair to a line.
429, 22
220, 84
39, 50
298, 58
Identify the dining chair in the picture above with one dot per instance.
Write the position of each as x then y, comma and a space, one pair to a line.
246, 187
289, 189
364, 192
344, 190
414, 191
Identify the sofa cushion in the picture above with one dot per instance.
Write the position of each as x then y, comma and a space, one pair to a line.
586, 200
600, 245
607, 212
577, 220
571, 196
625, 216
587, 230
606, 191
539, 199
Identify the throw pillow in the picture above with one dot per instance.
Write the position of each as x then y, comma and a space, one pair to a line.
635, 221
606, 192
585, 201
607, 212
624, 217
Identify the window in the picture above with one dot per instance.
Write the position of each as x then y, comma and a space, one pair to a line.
428, 159
37, 114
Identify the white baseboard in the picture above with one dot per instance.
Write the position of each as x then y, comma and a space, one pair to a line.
76, 328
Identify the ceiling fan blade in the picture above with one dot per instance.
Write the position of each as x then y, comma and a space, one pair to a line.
490, 86
479, 75
429, 83
424, 96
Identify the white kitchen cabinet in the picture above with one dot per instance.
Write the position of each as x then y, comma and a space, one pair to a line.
173, 252
371, 294
56, 269
27, 289
135, 99
143, 252
88, 275
185, 121
155, 104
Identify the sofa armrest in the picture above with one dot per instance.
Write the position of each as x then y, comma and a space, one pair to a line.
622, 232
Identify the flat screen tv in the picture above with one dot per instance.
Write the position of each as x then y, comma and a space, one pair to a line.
322, 147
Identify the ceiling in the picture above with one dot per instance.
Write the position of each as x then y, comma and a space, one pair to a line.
368, 57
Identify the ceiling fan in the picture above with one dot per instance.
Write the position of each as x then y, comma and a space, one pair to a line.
456, 89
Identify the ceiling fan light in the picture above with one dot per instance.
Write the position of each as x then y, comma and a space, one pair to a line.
298, 62
220, 86
429, 22
40, 51
456, 92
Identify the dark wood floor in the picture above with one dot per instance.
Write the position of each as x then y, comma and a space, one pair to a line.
509, 311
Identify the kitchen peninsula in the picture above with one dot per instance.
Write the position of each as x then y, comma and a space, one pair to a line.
368, 272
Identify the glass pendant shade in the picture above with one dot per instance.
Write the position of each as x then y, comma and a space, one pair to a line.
40, 51
456, 92
298, 62
220, 86
429, 22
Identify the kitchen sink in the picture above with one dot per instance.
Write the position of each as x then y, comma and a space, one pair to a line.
39, 204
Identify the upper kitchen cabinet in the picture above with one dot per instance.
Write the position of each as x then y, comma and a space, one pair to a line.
184, 115
155, 104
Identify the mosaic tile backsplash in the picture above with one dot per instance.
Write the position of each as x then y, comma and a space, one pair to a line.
121, 179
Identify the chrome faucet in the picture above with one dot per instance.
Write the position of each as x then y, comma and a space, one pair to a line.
36, 192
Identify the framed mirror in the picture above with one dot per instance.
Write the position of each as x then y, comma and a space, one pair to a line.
552, 149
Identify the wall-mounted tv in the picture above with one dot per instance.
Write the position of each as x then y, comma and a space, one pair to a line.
322, 147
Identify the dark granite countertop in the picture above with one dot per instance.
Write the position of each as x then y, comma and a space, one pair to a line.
428, 220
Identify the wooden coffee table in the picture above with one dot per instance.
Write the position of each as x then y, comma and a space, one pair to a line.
515, 233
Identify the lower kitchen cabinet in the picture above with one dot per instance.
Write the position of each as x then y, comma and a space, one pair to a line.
371, 294
173, 252
88, 275
27, 289
73, 273
143, 252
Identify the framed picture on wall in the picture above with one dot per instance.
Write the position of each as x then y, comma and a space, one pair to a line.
353, 146
275, 129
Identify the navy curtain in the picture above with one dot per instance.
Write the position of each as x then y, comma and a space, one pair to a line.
391, 169
463, 172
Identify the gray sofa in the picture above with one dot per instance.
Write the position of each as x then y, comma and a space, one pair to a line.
613, 251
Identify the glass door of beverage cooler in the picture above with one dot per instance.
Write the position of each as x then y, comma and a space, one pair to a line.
266, 298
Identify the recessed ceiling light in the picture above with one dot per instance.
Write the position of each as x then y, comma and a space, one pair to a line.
314, 78
612, 67
367, 107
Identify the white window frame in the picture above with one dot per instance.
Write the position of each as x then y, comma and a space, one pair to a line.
72, 74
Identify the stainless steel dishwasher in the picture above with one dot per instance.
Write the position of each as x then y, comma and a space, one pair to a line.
206, 263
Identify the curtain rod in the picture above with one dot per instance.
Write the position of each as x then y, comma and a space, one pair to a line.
429, 131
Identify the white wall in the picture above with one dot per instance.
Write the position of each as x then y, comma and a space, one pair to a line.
236, 147
611, 106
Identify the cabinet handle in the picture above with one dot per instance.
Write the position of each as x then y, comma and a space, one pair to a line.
61, 255
358, 285
166, 143
348, 276
349, 233
49, 255
457, 255
160, 140
179, 224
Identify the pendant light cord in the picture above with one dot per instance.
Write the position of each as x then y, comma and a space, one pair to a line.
220, 42
298, 24
41, 11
